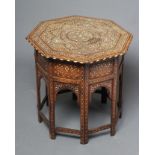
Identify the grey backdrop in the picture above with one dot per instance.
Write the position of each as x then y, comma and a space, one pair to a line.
32, 137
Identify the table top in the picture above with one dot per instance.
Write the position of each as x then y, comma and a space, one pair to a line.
80, 39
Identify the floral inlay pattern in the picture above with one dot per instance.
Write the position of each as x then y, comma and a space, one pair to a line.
68, 71
80, 39
101, 69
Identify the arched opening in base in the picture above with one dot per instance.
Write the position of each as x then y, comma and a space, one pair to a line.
99, 108
67, 111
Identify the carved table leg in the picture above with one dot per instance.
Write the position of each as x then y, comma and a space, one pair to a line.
114, 105
46, 91
51, 100
38, 78
84, 98
120, 92
113, 108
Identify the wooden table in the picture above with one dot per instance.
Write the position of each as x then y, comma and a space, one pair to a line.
80, 54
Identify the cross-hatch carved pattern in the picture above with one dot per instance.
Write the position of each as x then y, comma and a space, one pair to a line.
80, 39
101, 69
68, 71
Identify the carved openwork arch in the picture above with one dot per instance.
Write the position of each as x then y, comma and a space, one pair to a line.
59, 86
106, 84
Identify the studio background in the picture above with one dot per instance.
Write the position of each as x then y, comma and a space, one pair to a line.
32, 137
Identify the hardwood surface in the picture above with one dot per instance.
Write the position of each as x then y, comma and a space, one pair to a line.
80, 39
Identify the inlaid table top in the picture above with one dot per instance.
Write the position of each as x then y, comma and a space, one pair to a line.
80, 39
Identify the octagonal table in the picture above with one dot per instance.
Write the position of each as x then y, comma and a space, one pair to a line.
79, 54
